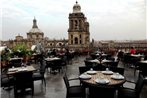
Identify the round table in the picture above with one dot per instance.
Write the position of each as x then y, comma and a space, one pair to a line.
102, 90
99, 74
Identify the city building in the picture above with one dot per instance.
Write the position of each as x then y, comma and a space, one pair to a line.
123, 44
78, 34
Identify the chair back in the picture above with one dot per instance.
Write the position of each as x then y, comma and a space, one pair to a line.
127, 58
66, 81
83, 69
57, 62
134, 60
42, 69
16, 63
114, 64
88, 64
63, 61
145, 58
23, 80
143, 68
117, 69
139, 84
89, 58
6, 81
99, 67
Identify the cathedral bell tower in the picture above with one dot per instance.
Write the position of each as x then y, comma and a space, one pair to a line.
78, 31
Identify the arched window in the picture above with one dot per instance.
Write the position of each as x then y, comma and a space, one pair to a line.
71, 41
80, 42
76, 40
76, 24
60, 44
71, 36
80, 36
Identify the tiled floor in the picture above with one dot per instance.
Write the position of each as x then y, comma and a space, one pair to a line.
55, 87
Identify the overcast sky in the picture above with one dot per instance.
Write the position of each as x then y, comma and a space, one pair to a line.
108, 19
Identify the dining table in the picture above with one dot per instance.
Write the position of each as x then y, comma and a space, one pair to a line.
103, 75
143, 61
49, 59
102, 83
94, 61
23, 78
54, 63
16, 58
14, 70
100, 61
137, 55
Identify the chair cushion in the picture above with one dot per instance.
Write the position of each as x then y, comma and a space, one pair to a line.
37, 76
7, 81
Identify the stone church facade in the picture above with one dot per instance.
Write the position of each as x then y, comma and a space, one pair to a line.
78, 34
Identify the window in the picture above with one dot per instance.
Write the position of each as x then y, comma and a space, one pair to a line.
76, 24
80, 35
71, 36
80, 42
60, 44
76, 40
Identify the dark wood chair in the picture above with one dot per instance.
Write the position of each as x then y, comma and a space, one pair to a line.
114, 63
39, 75
142, 67
102, 92
117, 69
63, 63
57, 65
83, 69
7, 81
145, 57
16, 62
73, 91
99, 67
89, 64
143, 70
23, 81
127, 59
132, 93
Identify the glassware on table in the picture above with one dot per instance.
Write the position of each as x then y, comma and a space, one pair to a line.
91, 69
107, 69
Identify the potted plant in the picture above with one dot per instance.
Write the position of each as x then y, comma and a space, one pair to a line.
20, 50
5, 56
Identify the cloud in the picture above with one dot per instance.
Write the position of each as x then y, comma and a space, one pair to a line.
106, 17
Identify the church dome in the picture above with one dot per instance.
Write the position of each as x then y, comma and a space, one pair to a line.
76, 8
35, 30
